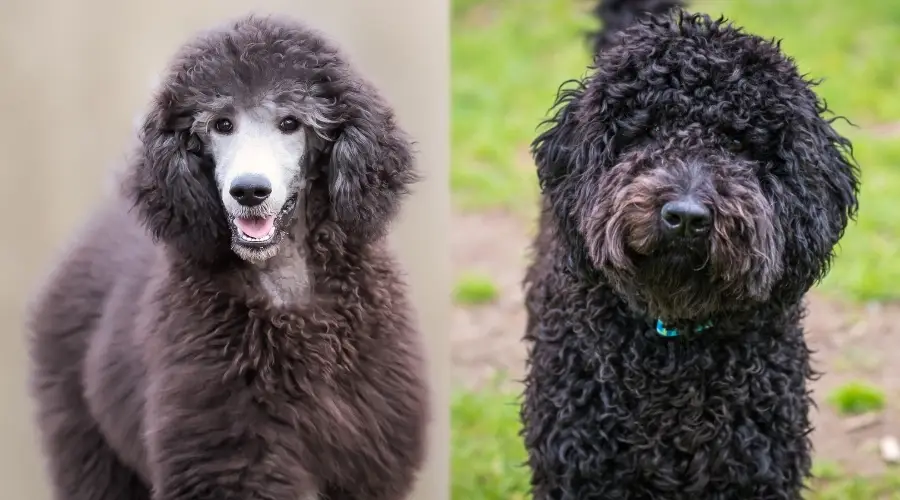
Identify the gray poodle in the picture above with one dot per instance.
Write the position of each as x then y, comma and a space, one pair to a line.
233, 327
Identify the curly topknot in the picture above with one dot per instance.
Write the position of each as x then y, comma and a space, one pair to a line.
616, 15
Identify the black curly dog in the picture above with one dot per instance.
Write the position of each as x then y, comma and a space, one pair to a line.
233, 327
693, 191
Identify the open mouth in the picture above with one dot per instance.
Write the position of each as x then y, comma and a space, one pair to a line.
262, 231
255, 229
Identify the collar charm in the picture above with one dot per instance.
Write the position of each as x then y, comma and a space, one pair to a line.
671, 332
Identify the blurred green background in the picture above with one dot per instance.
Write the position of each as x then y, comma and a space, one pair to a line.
509, 58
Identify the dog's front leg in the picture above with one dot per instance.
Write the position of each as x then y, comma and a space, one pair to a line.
207, 440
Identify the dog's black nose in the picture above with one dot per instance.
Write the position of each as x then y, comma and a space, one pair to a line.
686, 217
250, 189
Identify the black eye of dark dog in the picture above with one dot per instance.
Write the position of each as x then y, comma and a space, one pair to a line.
223, 126
288, 125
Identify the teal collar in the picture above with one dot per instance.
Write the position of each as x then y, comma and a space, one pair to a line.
671, 332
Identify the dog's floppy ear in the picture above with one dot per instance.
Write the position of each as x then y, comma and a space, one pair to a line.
564, 153
822, 174
556, 149
171, 186
370, 167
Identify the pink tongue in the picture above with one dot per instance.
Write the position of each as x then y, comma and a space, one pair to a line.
256, 227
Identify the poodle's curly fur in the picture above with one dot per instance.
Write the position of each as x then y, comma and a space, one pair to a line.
162, 367
679, 104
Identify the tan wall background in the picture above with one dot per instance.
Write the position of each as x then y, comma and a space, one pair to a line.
74, 77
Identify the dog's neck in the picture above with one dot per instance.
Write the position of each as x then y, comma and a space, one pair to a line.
285, 278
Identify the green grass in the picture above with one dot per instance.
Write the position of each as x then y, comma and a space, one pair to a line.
474, 288
488, 454
510, 56
488, 457
856, 397
828, 471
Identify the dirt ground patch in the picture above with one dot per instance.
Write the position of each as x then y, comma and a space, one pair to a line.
852, 342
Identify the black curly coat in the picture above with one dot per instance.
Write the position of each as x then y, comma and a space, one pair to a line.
160, 363
676, 106
617, 15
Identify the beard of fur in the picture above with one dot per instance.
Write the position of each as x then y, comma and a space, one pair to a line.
255, 256
736, 266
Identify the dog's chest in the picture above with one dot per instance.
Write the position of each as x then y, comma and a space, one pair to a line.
703, 417
337, 424
313, 390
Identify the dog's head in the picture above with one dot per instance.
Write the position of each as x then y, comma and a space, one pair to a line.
694, 171
248, 122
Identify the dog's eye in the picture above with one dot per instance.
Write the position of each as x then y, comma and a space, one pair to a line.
223, 126
288, 125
